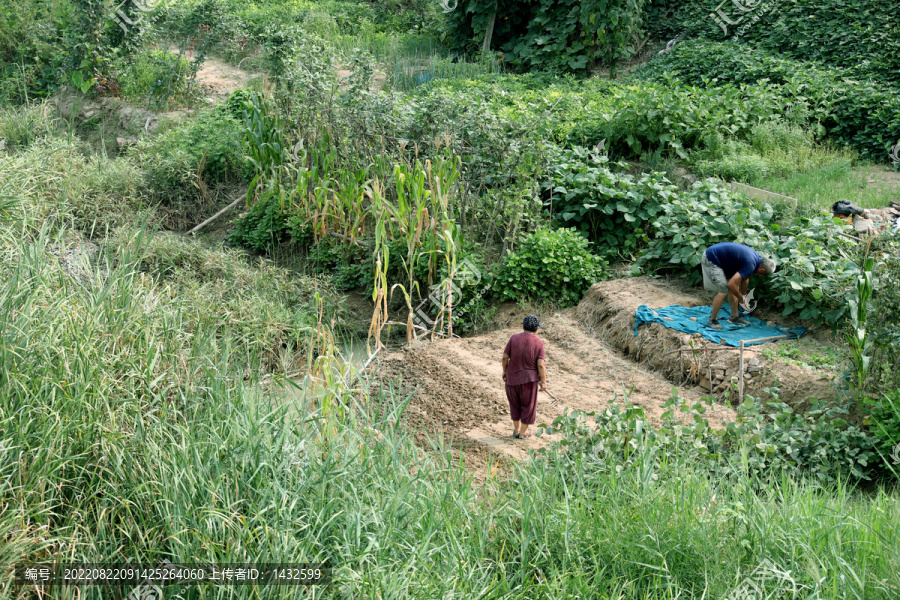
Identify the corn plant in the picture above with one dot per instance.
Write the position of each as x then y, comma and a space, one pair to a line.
856, 337
382, 253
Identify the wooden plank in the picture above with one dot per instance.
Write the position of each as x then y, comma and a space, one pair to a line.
761, 194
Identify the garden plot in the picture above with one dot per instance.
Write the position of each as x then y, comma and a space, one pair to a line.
457, 387
607, 312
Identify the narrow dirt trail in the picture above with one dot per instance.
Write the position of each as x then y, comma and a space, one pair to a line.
459, 389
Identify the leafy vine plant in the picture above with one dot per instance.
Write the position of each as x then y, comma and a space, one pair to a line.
558, 35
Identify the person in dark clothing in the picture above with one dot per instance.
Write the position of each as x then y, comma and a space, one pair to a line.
726, 270
523, 367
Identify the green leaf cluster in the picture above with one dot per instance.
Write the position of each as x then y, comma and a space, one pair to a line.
768, 440
816, 268
555, 35
549, 266
612, 208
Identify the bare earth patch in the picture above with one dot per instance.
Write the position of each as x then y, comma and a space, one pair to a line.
607, 311
457, 386
218, 79
593, 359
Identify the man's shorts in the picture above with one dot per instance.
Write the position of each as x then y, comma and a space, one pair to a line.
713, 276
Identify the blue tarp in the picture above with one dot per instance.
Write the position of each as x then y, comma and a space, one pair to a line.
679, 318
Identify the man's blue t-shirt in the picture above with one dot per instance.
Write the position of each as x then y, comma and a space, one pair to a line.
734, 258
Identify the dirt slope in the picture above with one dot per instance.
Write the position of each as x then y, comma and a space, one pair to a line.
607, 312
459, 390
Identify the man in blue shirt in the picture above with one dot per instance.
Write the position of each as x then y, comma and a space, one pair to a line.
726, 270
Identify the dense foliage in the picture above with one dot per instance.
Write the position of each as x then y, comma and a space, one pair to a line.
192, 156
886, 301
612, 208
863, 35
768, 440
556, 35
817, 265
549, 266
861, 113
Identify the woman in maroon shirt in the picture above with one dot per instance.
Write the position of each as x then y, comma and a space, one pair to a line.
523, 367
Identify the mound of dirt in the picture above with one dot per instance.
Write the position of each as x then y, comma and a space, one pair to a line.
607, 312
456, 384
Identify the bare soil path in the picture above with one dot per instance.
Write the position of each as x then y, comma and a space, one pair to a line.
458, 388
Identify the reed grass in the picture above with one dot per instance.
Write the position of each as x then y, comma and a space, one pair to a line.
408, 72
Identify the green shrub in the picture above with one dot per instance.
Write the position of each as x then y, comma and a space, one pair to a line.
351, 266
767, 442
240, 104
820, 441
158, 78
206, 149
885, 330
859, 113
815, 272
264, 225
550, 266
883, 419
691, 222
638, 116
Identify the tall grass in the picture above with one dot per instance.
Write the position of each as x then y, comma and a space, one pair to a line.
407, 72
134, 429
823, 186
388, 48
786, 159
232, 474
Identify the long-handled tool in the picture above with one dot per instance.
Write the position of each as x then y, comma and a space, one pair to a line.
555, 399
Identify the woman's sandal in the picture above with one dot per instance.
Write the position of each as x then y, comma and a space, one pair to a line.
524, 437
516, 435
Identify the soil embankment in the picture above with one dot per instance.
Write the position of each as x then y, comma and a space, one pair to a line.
457, 386
593, 358
607, 312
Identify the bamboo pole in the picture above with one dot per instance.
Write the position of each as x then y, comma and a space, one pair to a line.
216, 216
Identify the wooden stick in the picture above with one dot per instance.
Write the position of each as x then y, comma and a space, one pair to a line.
216, 216
556, 400
709, 367
704, 349
741, 374
847, 235
769, 339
